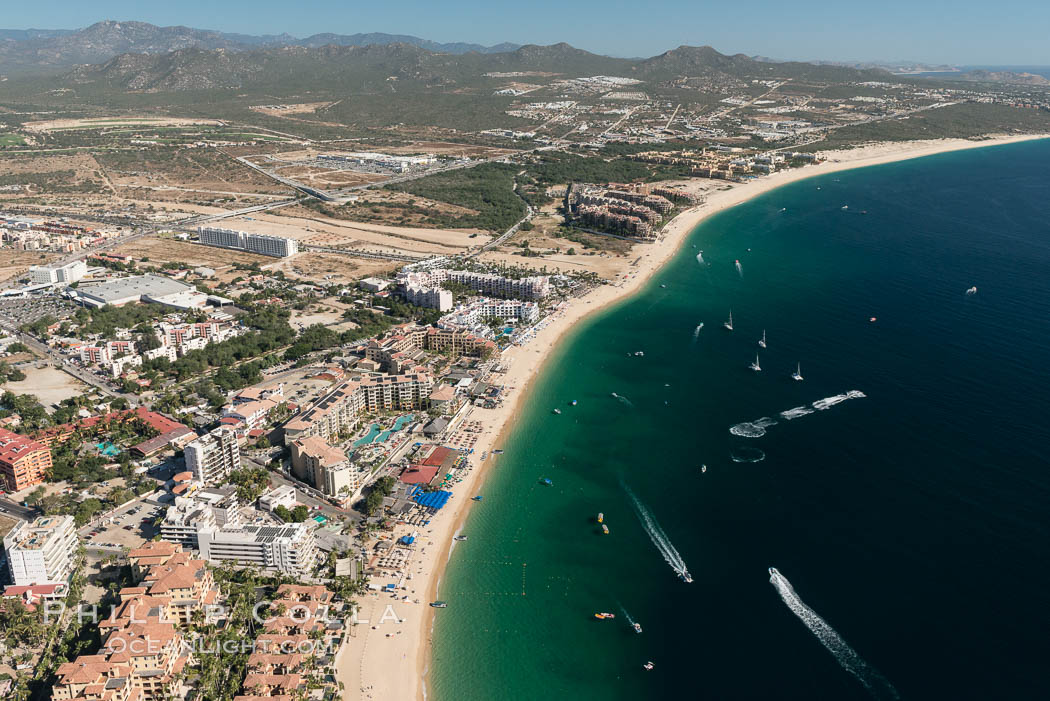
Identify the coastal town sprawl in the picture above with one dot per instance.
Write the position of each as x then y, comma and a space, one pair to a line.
253, 357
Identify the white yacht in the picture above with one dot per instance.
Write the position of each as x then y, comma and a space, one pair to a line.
755, 366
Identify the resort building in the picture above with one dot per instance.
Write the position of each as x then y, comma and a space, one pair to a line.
213, 457
474, 316
325, 467
24, 462
341, 408
531, 288
429, 297
143, 653
95, 678
289, 548
41, 551
276, 246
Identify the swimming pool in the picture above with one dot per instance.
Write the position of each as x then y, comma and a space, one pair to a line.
377, 435
108, 448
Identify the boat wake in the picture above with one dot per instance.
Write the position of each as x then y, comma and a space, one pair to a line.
700, 258
739, 269
696, 331
753, 429
746, 454
822, 404
757, 428
659, 538
795, 413
876, 684
623, 399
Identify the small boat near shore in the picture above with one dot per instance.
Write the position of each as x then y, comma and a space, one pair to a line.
459, 538
556, 411
604, 616
477, 498
438, 604
601, 517
605, 529
572, 403
547, 482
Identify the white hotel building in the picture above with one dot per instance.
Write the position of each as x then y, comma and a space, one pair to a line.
41, 552
530, 288
213, 457
276, 246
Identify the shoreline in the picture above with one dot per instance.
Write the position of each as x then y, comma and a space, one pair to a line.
399, 669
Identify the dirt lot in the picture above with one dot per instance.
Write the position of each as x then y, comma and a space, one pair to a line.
104, 122
14, 263
343, 269
163, 250
317, 230
195, 169
49, 385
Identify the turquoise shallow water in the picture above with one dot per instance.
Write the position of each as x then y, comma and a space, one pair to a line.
912, 520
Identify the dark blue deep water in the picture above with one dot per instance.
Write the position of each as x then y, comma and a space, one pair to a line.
915, 521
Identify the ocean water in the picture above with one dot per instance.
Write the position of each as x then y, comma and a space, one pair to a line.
910, 526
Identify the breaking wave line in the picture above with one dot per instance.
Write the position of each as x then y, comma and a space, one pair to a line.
876, 684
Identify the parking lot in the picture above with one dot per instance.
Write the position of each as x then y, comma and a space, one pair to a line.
130, 527
30, 309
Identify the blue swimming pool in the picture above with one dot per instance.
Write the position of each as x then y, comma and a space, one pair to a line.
108, 449
377, 435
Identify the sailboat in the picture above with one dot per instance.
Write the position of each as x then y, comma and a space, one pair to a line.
797, 375
755, 366
762, 343
729, 324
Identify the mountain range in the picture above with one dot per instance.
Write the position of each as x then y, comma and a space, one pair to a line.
405, 68
28, 51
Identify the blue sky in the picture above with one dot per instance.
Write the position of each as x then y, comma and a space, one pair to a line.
1015, 32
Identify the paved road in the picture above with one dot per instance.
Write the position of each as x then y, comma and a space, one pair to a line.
9, 507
